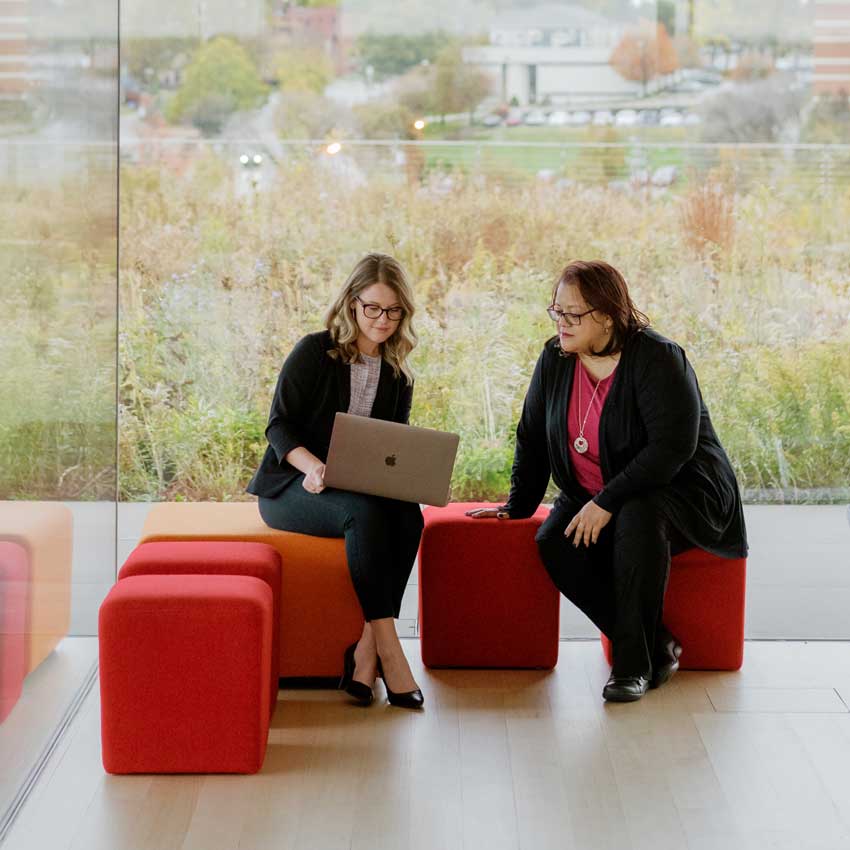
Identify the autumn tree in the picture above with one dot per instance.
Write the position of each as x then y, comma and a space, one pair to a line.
384, 120
457, 87
220, 80
415, 90
645, 53
145, 58
303, 69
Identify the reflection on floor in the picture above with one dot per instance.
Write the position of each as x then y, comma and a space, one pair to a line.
499, 759
47, 692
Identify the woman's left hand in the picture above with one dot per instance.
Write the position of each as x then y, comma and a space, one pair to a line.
587, 524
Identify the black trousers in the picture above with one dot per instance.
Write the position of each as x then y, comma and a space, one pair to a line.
381, 537
619, 581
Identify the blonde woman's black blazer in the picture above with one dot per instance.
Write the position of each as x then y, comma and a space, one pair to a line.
311, 388
655, 436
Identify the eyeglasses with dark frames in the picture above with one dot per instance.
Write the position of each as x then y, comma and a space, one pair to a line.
374, 311
571, 319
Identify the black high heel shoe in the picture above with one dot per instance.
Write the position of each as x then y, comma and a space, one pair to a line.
360, 691
408, 699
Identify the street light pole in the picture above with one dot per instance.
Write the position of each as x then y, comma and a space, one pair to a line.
202, 8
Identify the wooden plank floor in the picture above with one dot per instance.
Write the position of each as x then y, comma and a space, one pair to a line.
499, 759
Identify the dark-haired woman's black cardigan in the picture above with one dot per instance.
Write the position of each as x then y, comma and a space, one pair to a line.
655, 435
311, 388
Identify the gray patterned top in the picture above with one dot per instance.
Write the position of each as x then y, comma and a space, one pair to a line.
364, 384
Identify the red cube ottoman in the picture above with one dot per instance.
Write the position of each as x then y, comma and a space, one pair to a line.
14, 601
485, 598
184, 674
704, 608
197, 557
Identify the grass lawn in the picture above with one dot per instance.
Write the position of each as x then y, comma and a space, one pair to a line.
576, 152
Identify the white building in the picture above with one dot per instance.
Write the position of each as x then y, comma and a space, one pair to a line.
553, 52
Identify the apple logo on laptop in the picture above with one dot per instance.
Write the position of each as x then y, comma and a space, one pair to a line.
390, 460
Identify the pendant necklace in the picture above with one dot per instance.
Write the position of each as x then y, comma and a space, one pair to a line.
580, 442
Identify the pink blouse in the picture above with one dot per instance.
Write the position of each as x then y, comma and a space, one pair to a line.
586, 466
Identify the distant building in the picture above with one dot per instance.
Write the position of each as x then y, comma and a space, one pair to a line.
316, 26
553, 52
15, 46
307, 23
51, 47
832, 48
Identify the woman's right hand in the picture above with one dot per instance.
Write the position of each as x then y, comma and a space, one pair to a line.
314, 480
482, 513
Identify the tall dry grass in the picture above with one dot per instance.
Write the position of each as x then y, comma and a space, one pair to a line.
217, 286
229, 290
708, 218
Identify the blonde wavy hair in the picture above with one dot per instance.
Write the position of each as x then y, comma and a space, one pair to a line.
340, 321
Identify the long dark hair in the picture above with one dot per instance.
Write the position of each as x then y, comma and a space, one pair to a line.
605, 289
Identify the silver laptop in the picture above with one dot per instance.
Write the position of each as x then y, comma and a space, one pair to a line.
388, 459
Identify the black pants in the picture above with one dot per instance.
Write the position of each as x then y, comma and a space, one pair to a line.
619, 581
381, 537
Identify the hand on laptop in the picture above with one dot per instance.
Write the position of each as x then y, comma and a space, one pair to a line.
314, 480
481, 513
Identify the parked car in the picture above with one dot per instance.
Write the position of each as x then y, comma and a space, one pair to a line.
559, 118
648, 117
580, 118
692, 119
492, 120
535, 118
626, 118
603, 118
514, 118
671, 118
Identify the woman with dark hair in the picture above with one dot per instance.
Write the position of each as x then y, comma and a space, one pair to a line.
357, 365
615, 415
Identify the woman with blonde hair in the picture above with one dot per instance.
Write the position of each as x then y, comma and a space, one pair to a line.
357, 365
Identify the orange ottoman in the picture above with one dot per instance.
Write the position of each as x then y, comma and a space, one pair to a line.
704, 609
184, 674
44, 530
485, 598
14, 600
320, 614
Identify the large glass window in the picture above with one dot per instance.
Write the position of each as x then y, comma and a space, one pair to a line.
58, 255
703, 149
700, 150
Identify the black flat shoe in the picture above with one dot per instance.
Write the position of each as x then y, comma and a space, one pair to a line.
667, 664
409, 699
360, 691
625, 688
